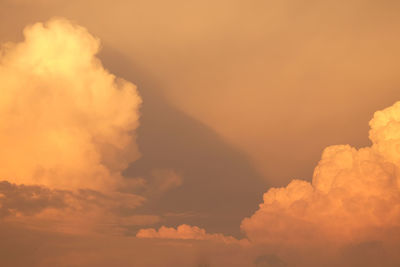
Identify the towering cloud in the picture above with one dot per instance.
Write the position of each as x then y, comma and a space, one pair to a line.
67, 131
66, 122
354, 195
351, 207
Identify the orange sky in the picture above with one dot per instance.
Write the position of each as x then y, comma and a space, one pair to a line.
208, 133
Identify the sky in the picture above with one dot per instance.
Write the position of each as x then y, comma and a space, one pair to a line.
199, 133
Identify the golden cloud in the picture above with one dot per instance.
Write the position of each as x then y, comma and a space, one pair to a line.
66, 121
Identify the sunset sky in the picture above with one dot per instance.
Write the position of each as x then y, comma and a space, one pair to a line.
210, 133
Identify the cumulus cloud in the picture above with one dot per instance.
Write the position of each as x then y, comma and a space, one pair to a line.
67, 131
66, 122
185, 231
354, 195
352, 202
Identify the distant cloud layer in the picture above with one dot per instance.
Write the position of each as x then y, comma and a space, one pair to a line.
185, 232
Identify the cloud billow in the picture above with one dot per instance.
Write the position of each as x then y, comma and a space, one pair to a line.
66, 121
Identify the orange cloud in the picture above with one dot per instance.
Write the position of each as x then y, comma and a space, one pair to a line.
67, 131
354, 194
185, 231
351, 207
79, 211
67, 124
66, 121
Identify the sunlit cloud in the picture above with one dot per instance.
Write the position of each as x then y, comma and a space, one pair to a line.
66, 121
186, 232
354, 198
274, 79
354, 194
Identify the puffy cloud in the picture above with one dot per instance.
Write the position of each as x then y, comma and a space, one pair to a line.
351, 207
67, 132
185, 231
354, 195
66, 121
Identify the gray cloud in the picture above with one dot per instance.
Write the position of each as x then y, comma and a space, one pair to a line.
29, 200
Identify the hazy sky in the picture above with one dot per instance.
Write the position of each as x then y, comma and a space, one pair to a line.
213, 120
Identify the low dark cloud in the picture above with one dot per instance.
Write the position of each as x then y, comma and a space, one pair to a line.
29, 200
269, 260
